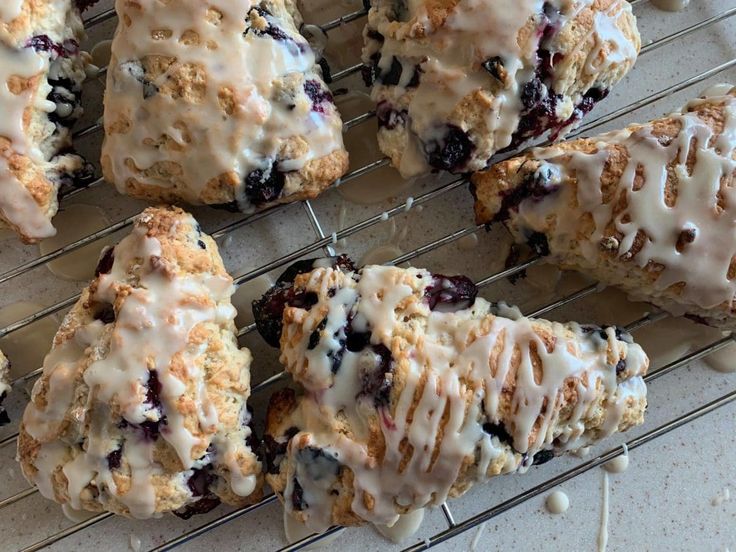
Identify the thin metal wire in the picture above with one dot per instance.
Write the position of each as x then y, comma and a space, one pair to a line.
317, 226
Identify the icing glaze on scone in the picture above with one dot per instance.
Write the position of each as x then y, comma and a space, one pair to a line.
41, 71
141, 405
218, 102
458, 80
415, 389
651, 208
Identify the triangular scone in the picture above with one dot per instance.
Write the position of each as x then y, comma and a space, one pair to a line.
4, 387
414, 389
457, 81
218, 102
650, 209
141, 408
41, 75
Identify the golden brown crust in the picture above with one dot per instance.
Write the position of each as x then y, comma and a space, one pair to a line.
215, 379
499, 190
40, 173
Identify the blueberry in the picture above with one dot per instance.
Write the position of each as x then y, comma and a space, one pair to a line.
316, 335
538, 242
317, 463
534, 185
42, 43
499, 431
275, 450
84, 176
199, 482
390, 118
542, 457
4, 418
326, 71
136, 71
201, 244
153, 390
318, 94
450, 293
104, 312
452, 152
115, 459
104, 266
297, 497
620, 366
375, 383
202, 506
263, 186
494, 66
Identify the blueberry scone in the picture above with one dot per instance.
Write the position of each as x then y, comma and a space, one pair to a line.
218, 102
141, 408
41, 75
456, 81
651, 208
4, 387
415, 389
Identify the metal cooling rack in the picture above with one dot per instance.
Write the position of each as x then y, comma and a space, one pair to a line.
325, 243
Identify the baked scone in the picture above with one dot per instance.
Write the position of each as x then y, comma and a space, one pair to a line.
650, 209
141, 408
41, 75
4, 387
218, 102
457, 81
414, 389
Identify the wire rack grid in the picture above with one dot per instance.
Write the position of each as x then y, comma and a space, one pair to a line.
435, 197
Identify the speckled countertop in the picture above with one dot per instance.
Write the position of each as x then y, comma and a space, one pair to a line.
679, 492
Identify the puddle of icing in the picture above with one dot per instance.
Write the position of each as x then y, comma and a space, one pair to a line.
405, 527
672, 338
244, 296
360, 141
296, 531
618, 464
75, 222
557, 502
723, 360
671, 5
26, 347
468, 243
101, 53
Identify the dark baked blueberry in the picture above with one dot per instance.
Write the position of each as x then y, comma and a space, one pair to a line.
316, 335
84, 4
297, 497
533, 93
262, 186
374, 382
494, 66
534, 185
375, 35
542, 457
153, 390
269, 309
589, 101
450, 293
620, 366
4, 418
43, 43
135, 70
335, 357
390, 118
104, 266
202, 506
104, 312
201, 244
356, 341
275, 450
318, 94
326, 71
317, 463
115, 459
84, 176
452, 151
199, 482
499, 431
538, 242
151, 429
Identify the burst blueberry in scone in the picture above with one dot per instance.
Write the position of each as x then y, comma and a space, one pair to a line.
141, 408
456, 81
41, 75
414, 389
650, 209
4, 387
218, 102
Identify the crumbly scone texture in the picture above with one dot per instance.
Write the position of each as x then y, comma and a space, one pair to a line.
220, 103
4, 386
456, 82
141, 408
650, 209
44, 72
411, 395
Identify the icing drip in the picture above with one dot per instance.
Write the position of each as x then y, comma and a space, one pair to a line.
17, 205
248, 102
454, 369
688, 239
148, 377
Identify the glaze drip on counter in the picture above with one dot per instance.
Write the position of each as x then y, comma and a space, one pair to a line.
217, 102
457, 81
651, 208
137, 408
415, 389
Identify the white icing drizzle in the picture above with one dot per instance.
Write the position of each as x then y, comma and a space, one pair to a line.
445, 383
603, 526
201, 137
154, 320
406, 526
557, 502
17, 205
704, 212
10, 9
449, 60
